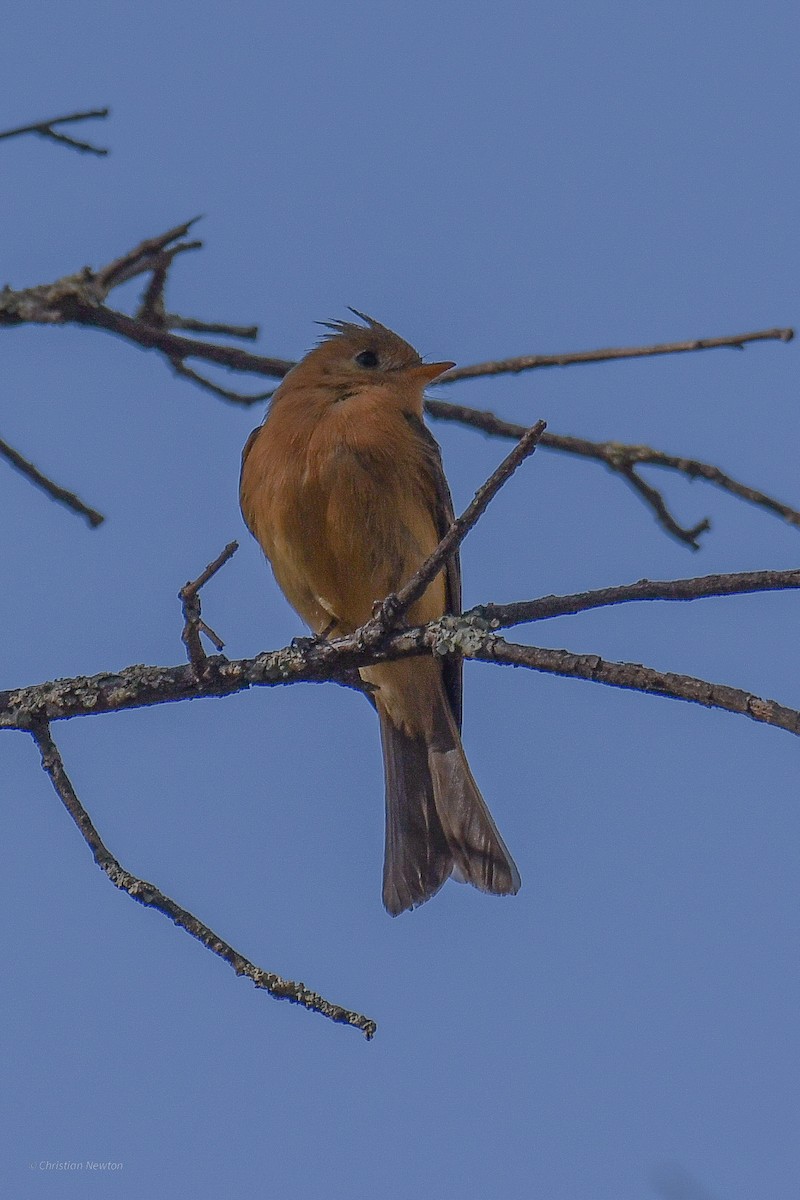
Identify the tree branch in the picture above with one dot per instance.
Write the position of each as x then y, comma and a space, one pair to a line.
530, 362
81, 299
151, 254
248, 333
469, 636
244, 398
45, 129
54, 490
623, 459
147, 894
742, 583
635, 677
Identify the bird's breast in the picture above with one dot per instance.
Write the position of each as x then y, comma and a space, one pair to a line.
344, 505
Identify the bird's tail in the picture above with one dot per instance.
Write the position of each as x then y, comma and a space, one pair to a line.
437, 822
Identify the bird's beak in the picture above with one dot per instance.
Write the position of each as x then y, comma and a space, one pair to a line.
427, 372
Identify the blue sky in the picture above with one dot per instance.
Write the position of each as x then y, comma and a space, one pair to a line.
529, 178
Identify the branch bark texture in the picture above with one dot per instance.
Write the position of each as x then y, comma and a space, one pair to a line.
472, 636
152, 897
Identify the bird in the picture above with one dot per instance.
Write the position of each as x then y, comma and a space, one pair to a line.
342, 485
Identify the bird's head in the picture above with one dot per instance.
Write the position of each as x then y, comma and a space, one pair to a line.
356, 357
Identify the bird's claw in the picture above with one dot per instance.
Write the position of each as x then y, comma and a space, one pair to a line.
307, 643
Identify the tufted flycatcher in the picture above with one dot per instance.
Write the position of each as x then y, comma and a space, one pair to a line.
343, 487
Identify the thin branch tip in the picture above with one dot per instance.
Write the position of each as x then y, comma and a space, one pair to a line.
54, 490
530, 362
148, 895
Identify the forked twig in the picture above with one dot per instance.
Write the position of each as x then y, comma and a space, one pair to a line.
46, 129
623, 459
193, 624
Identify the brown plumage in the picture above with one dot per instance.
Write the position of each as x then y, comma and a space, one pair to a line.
343, 488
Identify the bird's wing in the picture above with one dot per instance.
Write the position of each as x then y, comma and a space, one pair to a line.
248, 446
444, 516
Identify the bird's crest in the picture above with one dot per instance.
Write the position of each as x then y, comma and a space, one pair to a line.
373, 334
347, 328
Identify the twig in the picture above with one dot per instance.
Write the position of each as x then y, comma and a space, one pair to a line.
172, 345
54, 490
529, 362
147, 894
694, 469
622, 459
193, 624
248, 333
653, 497
394, 607
151, 308
742, 583
635, 677
243, 398
45, 129
138, 261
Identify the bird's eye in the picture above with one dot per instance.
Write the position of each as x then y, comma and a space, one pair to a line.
367, 358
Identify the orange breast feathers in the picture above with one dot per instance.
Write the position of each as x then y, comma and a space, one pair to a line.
339, 488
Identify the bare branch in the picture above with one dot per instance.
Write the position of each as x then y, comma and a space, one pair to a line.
81, 299
45, 129
316, 661
635, 677
151, 308
742, 583
172, 345
73, 301
48, 304
530, 362
248, 333
394, 607
242, 398
54, 490
147, 894
622, 459
144, 257
653, 497
192, 588
193, 624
